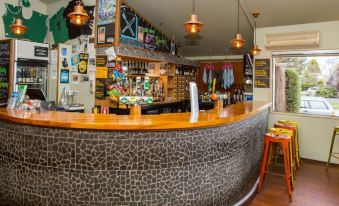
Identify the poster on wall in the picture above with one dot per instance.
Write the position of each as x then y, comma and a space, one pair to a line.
106, 18
100, 89
137, 32
128, 23
4, 71
82, 66
64, 76
262, 73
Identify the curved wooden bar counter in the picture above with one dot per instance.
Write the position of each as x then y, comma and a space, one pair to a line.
57, 158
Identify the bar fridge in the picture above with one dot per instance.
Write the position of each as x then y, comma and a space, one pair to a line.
30, 64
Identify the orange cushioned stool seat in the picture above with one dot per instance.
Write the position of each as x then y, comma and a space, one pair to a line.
285, 141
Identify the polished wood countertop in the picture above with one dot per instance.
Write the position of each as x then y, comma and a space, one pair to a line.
171, 121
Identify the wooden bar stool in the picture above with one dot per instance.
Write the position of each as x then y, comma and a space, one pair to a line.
296, 138
331, 153
285, 141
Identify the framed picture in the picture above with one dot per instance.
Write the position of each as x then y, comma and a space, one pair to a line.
64, 76
108, 22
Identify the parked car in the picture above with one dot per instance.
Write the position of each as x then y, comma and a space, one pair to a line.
316, 105
312, 91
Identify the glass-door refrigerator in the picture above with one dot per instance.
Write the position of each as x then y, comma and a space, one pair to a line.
31, 65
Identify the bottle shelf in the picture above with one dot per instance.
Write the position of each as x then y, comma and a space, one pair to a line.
35, 83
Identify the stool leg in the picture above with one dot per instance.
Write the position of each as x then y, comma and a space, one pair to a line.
331, 148
270, 155
291, 161
297, 147
287, 167
293, 156
263, 164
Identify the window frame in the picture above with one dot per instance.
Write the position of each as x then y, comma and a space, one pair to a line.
297, 53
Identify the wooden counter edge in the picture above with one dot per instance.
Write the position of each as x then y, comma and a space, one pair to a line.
130, 123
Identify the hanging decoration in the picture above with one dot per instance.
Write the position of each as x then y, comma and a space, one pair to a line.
193, 26
26, 3
255, 48
79, 16
58, 27
238, 42
74, 30
36, 30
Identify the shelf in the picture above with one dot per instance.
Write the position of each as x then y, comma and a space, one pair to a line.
135, 75
30, 83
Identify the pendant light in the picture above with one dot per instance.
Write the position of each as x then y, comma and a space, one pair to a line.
238, 42
193, 26
79, 16
255, 48
18, 28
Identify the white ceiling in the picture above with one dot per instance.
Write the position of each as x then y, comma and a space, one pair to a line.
219, 18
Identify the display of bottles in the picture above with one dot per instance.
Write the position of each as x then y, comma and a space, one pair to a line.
141, 86
29, 75
238, 95
136, 67
185, 70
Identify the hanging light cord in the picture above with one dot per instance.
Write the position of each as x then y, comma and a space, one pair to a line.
255, 31
193, 6
238, 16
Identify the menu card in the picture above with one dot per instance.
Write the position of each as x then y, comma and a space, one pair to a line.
262, 73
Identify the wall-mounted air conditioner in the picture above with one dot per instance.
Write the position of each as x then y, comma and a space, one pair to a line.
293, 39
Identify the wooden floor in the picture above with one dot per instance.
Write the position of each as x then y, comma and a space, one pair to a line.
315, 186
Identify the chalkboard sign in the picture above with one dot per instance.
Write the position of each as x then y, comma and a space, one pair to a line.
137, 32
262, 73
4, 70
100, 89
106, 10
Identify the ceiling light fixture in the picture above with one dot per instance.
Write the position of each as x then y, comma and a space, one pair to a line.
79, 16
18, 28
193, 26
255, 48
238, 42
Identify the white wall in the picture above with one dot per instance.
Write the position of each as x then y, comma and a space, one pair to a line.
316, 132
27, 12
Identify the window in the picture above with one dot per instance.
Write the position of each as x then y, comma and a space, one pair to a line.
306, 82
318, 105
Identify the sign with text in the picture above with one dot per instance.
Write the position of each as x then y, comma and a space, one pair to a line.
262, 73
4, 70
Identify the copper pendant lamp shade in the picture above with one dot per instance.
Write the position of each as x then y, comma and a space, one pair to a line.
238, 42
18, 28
255, 48
193, 26
79, 16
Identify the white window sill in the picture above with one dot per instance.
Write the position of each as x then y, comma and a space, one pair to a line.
305, 115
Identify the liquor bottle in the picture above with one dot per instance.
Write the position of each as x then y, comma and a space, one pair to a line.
235, 96
25, 75
18, 74
241, 95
